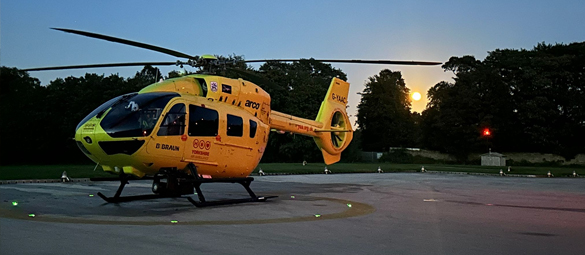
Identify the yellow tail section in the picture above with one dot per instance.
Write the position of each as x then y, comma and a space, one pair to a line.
337, 132
331, 129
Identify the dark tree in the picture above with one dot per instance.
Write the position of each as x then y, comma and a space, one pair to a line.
22, 116
533, 101
384, 116
296, 88
39, 121
148, 75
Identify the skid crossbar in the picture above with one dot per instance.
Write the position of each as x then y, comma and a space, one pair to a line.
119, 199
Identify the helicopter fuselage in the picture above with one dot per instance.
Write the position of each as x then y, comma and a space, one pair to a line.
200, 119
220, 125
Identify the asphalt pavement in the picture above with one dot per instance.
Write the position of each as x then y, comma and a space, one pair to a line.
386, 213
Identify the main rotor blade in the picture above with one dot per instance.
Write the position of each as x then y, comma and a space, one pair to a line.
101, 65
127, 42
354, 61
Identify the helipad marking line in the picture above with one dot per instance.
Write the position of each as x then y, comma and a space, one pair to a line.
357, 209
54, 192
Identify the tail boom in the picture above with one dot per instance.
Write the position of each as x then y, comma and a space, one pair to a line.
331, 130
291, 124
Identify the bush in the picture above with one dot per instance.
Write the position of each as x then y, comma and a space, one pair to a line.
397, 156
524, 162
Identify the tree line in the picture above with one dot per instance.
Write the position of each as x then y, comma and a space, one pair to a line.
38, 122
531, 100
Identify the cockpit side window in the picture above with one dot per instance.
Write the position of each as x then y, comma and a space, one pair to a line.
203, 121
174, 122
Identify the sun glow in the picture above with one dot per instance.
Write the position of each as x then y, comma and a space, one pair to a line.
416, 96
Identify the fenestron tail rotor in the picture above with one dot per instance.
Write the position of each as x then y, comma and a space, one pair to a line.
338, 123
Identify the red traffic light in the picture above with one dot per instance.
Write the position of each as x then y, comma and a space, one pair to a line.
487, 132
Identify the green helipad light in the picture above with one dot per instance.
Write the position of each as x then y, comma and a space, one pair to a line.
349, 205
293, 197
91, 195
317, 215
32, 215
14, 203
174, 222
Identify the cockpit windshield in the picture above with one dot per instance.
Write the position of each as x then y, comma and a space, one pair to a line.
136, 115
102, 108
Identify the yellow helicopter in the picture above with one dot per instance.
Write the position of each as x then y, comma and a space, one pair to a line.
200, 128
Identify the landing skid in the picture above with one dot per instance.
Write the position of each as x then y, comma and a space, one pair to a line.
245, 182
178, 185
119, 199
131, 198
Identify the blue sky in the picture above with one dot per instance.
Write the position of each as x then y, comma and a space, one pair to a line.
397, 30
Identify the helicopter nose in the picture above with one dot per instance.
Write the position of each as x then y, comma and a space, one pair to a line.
88, 139
85, 138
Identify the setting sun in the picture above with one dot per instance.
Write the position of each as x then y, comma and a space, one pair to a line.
416, 96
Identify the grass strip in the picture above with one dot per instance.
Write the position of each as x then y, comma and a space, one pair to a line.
23, 172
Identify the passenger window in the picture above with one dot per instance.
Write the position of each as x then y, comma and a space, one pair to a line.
202, 121
235, 125
253, 127
174, 122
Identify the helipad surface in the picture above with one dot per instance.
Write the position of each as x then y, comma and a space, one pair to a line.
404, 213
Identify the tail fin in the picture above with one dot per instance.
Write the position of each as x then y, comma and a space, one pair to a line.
336, 133
331, 130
